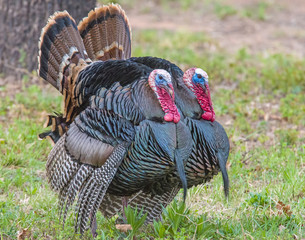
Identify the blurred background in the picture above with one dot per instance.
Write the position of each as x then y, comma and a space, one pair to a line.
253, 52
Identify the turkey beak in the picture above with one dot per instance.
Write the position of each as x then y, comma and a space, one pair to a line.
204, 84
170, 91
168, 88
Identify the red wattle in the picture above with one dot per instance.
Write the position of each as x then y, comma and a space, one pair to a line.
168, 105
208, 116
176, 117
168, 117
205, 102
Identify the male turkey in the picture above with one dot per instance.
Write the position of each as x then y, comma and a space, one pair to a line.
118, 114
210, 141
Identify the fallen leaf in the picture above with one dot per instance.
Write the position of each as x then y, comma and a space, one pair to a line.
275, 117
258, 168
287, 210
283, 208
123, 227
23, 234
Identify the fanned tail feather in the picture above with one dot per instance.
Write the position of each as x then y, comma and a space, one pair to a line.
62, 56
59, 45
106, 33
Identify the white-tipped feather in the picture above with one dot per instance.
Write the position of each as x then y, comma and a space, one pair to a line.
64, 62
106, 39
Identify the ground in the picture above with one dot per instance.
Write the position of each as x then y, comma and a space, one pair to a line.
272, 26
254, 54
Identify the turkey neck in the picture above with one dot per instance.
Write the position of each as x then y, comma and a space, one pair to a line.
153, 105
186, 100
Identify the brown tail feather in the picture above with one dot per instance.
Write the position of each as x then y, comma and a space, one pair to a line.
59, 127
60, 45
62, 56
106, 33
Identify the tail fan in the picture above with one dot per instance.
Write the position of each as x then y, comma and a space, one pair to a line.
62, 56
59, 45
106, 33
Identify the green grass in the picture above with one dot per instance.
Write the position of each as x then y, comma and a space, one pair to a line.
223, 11
260, 101
256, 11
164, 5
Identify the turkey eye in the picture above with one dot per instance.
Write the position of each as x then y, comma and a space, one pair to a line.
160, 77
199, 76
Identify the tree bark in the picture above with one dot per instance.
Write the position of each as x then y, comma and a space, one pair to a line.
21, 22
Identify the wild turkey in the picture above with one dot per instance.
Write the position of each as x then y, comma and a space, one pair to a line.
197, 108
118, 114
210, 142
211, 145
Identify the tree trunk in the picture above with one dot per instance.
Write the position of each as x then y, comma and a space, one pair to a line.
21, 22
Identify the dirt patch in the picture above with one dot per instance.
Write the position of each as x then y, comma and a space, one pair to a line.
281, 30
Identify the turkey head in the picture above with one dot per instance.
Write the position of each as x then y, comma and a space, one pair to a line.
160, 82
197, 81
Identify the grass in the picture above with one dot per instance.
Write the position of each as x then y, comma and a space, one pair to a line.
223, 11
258, 98
256, 11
